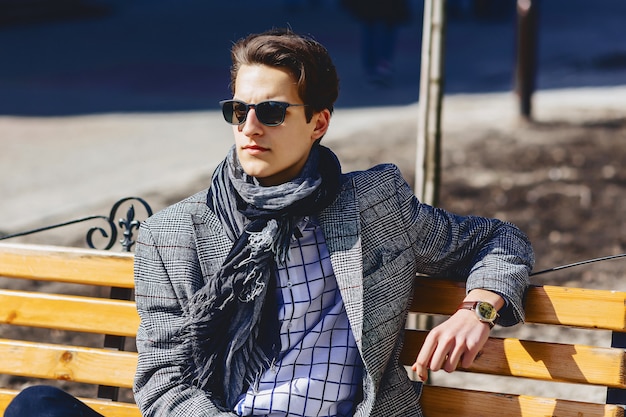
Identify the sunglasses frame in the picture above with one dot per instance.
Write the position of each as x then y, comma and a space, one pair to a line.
282, 104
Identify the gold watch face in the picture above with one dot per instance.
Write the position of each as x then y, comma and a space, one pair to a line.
486, 311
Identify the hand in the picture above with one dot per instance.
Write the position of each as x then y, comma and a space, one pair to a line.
456, 341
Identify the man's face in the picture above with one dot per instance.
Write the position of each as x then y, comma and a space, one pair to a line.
274, 154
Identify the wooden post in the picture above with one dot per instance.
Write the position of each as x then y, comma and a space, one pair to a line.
427, 169
427, 164
526, 65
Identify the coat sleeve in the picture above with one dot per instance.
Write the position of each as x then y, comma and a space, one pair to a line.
488, 253
160, 388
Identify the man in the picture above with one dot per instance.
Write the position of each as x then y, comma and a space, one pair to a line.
282, 290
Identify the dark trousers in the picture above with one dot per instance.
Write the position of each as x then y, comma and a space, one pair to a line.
47, 401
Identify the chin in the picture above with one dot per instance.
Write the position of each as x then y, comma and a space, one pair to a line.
255, 171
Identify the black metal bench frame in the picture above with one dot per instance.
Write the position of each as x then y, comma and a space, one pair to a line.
113, 227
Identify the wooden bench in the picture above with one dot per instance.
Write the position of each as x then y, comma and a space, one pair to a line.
557, 360
83, 314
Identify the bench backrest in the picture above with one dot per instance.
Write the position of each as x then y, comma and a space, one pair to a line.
82, 313
556, 360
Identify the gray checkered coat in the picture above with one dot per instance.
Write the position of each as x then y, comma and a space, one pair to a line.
379, 237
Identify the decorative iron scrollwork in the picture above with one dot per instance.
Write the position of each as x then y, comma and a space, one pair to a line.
127, 224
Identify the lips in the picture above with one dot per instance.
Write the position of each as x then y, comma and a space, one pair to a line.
255, 149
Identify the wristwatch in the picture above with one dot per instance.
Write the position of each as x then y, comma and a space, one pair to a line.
485, 311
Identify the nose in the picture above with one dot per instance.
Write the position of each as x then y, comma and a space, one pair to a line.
251, 126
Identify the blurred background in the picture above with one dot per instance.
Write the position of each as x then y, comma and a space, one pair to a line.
100, 99
68, 57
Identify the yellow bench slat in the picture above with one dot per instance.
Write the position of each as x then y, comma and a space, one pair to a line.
105, 407
68, 363
67, 312
446, 402
51, 263
112, 409
539, 360
575, 307
580, 307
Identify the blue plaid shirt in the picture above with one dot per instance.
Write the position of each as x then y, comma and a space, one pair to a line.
318, 371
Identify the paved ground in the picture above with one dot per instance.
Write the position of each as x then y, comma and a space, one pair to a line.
123, 103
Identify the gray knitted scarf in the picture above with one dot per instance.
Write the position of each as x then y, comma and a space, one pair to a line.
228, 350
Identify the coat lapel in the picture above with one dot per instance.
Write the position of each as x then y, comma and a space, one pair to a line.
211, 243
340, 222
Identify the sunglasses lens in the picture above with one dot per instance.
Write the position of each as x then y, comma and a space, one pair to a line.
234, 111
271, 113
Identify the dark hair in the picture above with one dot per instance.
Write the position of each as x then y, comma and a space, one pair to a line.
306, 59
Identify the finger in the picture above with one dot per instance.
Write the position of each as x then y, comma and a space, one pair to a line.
453, 360
469, 357
421, 365
441, 356
473, 350
422, 362
421, 371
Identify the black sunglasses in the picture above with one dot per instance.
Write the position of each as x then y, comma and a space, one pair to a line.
270, 113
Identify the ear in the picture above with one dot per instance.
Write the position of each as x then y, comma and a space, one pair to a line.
322, 121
